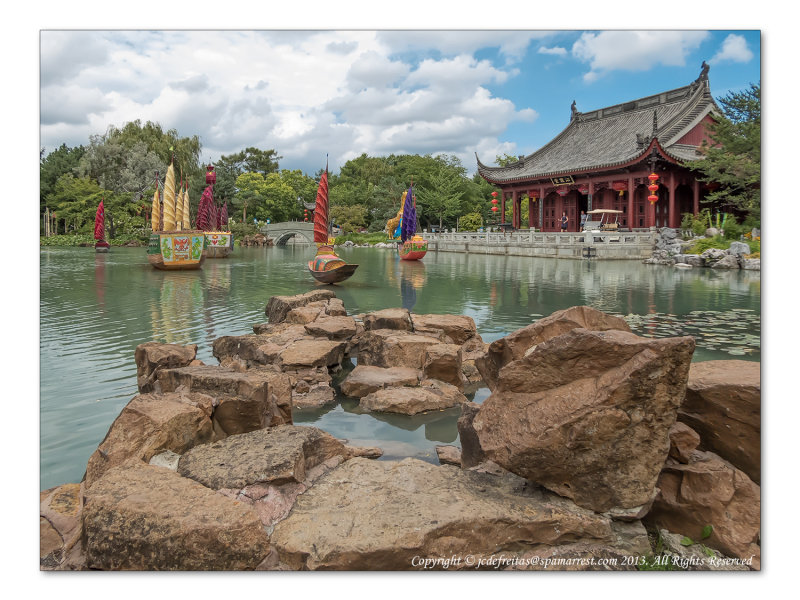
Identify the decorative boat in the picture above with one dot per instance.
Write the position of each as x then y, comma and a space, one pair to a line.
326, 266
174, 246
100, 229
214, 221
412, 247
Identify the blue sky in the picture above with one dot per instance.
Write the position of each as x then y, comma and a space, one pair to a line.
344, 92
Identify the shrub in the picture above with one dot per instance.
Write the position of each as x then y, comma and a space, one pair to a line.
362, 238
470, 222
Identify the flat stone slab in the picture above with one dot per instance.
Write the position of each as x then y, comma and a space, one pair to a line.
411, 400
275, 455
365, 379
380, 515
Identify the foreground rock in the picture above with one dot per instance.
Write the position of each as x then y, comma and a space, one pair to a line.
364, 379
60, 527
381, 515
243, 402
394, 348
152, 357
275, 455
430, 395
149, 425
597, 432
279, 306
710, 491
149, 518
723, 405
515, 345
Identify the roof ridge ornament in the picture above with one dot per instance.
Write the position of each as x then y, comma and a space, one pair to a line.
574, 111
655, 125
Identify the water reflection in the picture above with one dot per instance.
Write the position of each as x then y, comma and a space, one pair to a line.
412, 278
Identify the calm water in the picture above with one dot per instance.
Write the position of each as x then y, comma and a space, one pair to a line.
96, 308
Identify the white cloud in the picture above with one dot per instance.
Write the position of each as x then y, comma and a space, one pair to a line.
303, 93
634, 50
556, 51
734, 49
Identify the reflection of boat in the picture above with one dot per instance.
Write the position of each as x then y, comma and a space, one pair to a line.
412, 277
214, 221
326, 266
176, 246
100, 229
412, 247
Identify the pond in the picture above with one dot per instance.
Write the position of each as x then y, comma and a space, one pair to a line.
96, 308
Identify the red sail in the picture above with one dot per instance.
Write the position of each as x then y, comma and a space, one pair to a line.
223, 217
99, 223
321, 211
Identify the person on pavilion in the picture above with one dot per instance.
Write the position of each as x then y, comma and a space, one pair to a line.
564, 221
583, 219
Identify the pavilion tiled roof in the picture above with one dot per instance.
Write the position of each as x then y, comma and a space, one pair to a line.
616, 135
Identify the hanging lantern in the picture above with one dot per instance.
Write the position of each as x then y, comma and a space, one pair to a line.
494, 200
652, 177
494, 194
532, 197
494, 209
620, 186
211, 175
653, 198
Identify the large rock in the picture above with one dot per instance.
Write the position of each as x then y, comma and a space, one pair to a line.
368, 515
457, 328
149, 518
723, 405
392, 348
149, 425
726, 262
246, 401
333, 328
364, 380
710, 491
432, 395
738, 248
260, 349
515, 345
153, 356
60, 524
279, 306
312, 353
389, 318
275, 455
596, 432
443, 362
471, 452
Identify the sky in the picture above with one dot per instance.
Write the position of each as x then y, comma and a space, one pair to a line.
346, 91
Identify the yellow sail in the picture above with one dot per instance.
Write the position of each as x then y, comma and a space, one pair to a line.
186, 221
169, 200
155, 217
179, 207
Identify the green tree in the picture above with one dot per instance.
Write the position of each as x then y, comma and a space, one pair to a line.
61, 161
505, 159
441, 197
349, 218
250, 192
733, 159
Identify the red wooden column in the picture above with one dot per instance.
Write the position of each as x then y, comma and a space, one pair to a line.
503, 206
530, 210
514, 209
633, 217
559, 210
696, 194
673, 221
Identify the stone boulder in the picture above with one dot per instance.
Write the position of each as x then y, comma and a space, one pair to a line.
751, 264
398, 319
596, 432
471, 452
333, 328
364, 380
60, 526
431, 395
279, 306
393, 348
723, 405
443, 362
312, 353
276, 455
515, 345
305, 314
697, 556
387, 515
726, 262
448, 455
710, 491
712, 256
457, 328
150, 424
683, 441
311, 388
149, 518
152, 357
260, 349
738, 249
243, 402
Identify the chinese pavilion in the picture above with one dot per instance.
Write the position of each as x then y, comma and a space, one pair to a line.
605, 159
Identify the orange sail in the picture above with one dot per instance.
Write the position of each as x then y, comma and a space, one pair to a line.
321, 211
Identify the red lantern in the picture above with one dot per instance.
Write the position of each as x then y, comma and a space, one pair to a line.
494, 200
306, 219
620, 186
211, 175
652, 177
494, 194
562, 192
653, 198
494, 209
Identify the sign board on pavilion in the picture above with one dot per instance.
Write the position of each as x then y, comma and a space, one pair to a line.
563, 180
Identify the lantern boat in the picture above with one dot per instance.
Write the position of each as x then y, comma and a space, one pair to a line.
326, 266
214, 221
174, 246
100, 229
412, 246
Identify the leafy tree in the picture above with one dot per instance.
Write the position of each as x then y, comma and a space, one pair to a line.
505, 159
733, 159
470, 222
61, 161
250, 192
349, 218
442, 196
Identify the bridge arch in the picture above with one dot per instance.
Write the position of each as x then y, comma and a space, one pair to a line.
283, 232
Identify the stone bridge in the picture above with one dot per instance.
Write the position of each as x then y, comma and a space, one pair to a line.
301, 232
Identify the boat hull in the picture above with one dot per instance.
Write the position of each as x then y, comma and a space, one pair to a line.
334, 275
219, 244
327, 267
101, 246
176, 250
413, 250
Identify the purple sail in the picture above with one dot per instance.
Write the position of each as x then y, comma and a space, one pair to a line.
409, 226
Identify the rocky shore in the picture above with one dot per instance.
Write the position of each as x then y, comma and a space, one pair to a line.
670, 250
596, 450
